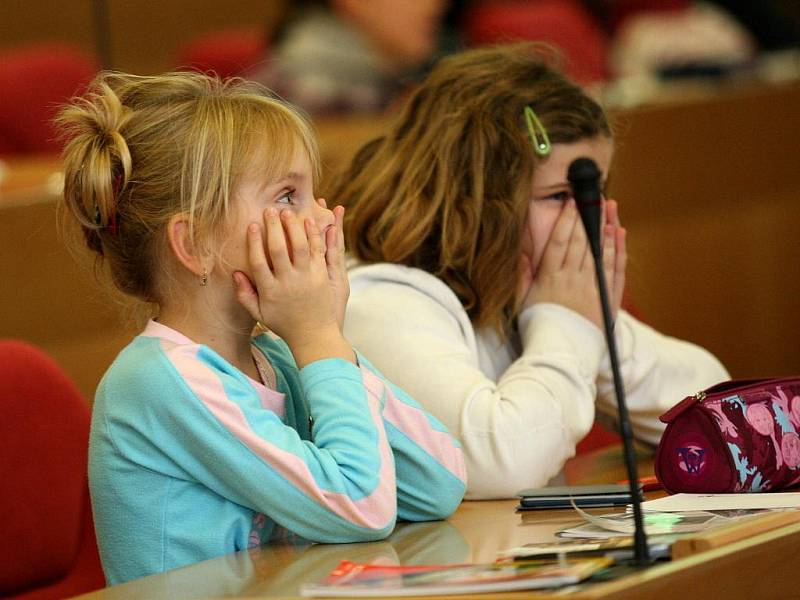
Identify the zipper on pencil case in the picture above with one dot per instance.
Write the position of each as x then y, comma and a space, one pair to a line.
733, 387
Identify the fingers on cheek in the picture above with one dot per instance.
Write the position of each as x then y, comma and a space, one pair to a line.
259, 254
609, 250
311, 228
611, 212
622, 253
273, 227
289, 222
340, 228
255, 243
315, 243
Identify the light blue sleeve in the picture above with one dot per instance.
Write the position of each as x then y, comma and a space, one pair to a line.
203, 418
431, 476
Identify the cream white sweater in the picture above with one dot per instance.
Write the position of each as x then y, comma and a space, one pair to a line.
520, 407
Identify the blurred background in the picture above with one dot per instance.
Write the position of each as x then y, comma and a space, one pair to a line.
705, 97
601, 40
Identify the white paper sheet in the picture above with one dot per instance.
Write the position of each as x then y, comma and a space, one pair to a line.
655, 523
692, 502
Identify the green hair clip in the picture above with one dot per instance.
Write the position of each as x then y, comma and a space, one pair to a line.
541, 143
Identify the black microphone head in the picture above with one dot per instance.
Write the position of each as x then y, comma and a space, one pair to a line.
584, 179
583, 170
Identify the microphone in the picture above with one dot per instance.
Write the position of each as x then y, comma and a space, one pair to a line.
584, 178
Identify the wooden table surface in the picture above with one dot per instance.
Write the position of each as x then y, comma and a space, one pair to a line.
27, 180
763, 566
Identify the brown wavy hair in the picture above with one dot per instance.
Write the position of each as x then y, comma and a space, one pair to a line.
446, 190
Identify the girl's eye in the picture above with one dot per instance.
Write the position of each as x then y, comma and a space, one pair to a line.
287, 197
559, 196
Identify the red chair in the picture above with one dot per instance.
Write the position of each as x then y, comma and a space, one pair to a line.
227, 53
34, 81
48, 547
598, 437
565, 24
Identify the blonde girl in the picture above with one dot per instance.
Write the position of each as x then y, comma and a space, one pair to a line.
472, 285
198, 195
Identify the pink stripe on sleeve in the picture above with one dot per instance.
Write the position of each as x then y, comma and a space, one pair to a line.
414, 423
372, 511
271, 400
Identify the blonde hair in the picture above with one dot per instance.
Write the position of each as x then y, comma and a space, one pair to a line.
143, 149
446, 190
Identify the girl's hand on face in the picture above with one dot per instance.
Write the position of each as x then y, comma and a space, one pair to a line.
335, 260
290, 287
566, 272
525, 280
614, 256
526, 269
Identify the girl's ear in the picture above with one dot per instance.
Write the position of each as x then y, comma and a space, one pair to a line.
183, 247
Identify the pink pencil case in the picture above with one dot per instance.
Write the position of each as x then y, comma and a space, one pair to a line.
737, 436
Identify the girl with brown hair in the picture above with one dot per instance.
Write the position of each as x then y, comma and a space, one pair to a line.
198, 195
472, 285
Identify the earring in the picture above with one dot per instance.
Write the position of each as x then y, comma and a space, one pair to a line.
204, 278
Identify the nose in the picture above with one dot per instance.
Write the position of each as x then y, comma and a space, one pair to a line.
323, 216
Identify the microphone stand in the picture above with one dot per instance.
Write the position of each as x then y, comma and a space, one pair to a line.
584, 177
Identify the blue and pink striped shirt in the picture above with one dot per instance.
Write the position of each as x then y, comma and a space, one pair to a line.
190, 459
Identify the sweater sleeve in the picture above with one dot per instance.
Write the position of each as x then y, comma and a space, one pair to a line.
658, 371
208, 421
431, 475
517, 431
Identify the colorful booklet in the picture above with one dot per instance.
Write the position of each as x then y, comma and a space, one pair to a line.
358, 579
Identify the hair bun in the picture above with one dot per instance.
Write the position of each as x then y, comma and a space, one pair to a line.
97, 159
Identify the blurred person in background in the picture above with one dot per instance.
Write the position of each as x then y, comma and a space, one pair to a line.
674, 38
606, 39
339, 56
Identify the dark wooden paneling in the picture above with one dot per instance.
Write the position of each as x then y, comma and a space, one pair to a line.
710, 193
144, 35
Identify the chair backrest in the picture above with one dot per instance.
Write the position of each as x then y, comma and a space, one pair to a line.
565, 24
34, 81
44, 434
227, 52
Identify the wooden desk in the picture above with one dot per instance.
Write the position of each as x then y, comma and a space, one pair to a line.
29, 180
474, 534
